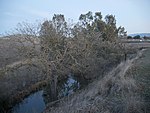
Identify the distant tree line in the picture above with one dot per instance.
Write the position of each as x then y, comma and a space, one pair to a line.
137, 37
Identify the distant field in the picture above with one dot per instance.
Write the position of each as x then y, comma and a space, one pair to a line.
135, 40
138, 44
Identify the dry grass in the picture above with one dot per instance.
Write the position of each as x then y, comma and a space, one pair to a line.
141, 72
115, 93
8, 54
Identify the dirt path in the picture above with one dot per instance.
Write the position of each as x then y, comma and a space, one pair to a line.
94, 98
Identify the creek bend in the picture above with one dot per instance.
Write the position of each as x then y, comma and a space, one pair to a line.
36, 102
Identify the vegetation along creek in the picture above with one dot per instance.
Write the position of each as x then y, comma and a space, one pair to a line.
36, 102
58, 66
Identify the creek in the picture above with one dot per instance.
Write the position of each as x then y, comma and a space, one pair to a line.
36, 102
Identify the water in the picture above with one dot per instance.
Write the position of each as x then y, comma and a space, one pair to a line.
65, 87
68, 87
32, 104
36, 102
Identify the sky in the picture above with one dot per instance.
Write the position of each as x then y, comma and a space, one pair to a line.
134, 15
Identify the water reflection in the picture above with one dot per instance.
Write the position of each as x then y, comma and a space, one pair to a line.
32, 104
68, 87
36, 102
65, 87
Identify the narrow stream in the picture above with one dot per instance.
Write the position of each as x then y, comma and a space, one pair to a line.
36, 102
32, 104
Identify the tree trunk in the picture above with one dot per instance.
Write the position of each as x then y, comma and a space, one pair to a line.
53, 85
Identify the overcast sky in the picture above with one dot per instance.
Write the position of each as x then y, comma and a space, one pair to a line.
134, 15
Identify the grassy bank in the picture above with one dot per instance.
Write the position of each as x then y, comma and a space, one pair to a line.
17, 84
116, 92
141, 72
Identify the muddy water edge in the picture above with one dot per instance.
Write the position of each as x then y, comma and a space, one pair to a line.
36, 101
